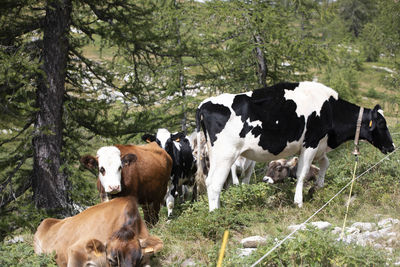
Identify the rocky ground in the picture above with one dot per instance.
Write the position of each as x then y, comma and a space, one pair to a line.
381, 235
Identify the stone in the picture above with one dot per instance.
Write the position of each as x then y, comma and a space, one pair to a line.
389, 222
244, 252
188, 262
16, 239
253, 241
364, 226
337, 230
352, 230
321, 225
296, 227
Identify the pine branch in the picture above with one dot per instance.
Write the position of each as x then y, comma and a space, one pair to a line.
27, 125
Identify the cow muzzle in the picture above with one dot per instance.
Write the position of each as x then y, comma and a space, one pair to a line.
113, 189
268, 179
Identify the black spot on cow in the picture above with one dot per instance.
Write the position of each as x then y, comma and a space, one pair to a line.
279, 121
219, 114
319, 125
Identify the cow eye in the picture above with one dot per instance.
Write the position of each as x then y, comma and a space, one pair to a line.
102, 171
112, 262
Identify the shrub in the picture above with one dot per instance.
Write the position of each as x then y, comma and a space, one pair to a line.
313, 247
22, 254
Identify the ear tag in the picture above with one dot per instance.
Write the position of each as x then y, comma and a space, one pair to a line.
370, 123
178, 139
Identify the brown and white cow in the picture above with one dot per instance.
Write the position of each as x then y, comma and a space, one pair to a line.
279, 170
142, 171
81, 240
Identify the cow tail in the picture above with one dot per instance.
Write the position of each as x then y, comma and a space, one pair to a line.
200, 176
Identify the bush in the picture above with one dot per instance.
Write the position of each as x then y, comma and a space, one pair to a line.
22, 254
313, 247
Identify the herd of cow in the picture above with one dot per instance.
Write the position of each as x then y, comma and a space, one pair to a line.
233, 132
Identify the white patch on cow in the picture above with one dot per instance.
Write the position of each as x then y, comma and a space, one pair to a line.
309, 97
277, 122
268, 179
109, 158
381, 112
254, 123
177, 145
163, 135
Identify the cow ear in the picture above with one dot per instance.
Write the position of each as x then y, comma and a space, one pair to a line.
373, 115
89, 162
148, 138
95, 246
292, 162
128, 159
151, 244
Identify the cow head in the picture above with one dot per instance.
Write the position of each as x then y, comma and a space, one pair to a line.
280, 169
126, 249
110, 164
148, 138
92, 253
378, 132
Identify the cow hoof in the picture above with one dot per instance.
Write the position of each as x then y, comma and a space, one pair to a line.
300, 205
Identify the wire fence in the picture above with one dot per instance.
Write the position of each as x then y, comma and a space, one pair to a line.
320, 209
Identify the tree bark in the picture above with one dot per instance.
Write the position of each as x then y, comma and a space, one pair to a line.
262, 69
49, 183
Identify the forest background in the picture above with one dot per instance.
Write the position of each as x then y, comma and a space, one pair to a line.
76, 75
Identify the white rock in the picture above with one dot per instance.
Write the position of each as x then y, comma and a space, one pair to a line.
337, 230
390, 250
352, 230
16, 239
321, 225
244, 252
372, 235
253, 241
385, 233
364, 226
388, 222
296, 227
188, 262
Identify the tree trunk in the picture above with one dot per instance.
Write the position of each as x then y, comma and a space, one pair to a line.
262, 69
49, 184
181, 74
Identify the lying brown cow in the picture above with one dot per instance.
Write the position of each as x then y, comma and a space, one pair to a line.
79, 240
142, 171
279, 170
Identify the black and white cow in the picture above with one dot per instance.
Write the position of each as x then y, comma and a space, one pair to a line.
183, 170
306, 118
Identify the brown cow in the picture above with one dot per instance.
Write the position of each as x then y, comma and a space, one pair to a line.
279, 170
142, 171
79, 240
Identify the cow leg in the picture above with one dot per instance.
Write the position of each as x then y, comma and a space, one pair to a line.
156, 211
216, 179
169, 200
304, 164
235, 179
323, 167
150, 212
248, 172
